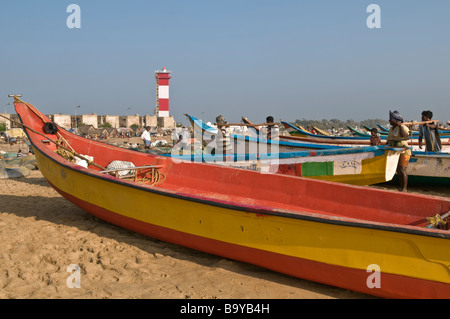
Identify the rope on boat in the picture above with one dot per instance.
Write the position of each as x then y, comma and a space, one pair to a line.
65, 152
438, 221
154, 176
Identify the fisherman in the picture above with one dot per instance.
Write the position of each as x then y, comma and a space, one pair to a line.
147, 138
271, 131
398, 137
174, 137
186, 135
429, 132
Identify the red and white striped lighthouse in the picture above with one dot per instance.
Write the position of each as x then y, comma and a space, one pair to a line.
162, 92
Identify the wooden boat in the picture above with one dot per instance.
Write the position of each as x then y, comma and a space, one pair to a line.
382, 128
296, 134
246, 144
356, 132
356, 166
429, 168
295, 131
319, 131
368, 240
423, 167
368, 129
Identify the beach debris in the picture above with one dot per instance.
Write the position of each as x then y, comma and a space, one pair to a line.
10, 160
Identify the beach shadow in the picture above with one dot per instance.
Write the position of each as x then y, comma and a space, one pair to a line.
425, 189
59, 211
33, 181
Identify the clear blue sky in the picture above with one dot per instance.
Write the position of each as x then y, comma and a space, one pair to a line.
312, 59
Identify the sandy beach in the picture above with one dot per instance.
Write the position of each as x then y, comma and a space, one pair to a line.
42, 234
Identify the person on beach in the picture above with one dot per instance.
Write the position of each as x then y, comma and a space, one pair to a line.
429, 132
19, 153
147, 138
271, 131
398, 137
174, 137
375, 139
186, 141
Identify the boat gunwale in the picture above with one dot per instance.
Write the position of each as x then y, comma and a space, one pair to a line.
257, 210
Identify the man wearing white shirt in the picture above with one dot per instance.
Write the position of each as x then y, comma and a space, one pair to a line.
186, 136
146, 137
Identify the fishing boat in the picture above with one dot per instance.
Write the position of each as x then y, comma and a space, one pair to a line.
319, 131
356, 132
232, 143
429, 168
423, 167
295, 131
356, 166
369, 129
296, 134
373, 241
382, 128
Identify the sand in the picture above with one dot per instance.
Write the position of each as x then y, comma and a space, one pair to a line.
42, 234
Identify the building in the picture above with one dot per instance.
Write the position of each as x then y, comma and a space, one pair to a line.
129, 120
112, 120
3, 120
166, 122
63, 120
16, 121
89, 119
88, 131
148, 120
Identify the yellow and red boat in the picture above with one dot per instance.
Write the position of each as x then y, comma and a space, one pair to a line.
367, 240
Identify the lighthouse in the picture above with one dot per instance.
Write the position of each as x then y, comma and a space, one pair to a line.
162, 92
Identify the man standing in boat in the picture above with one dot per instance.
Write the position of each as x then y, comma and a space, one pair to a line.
429, 132
398, 137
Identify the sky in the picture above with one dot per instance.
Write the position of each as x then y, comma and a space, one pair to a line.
311, 59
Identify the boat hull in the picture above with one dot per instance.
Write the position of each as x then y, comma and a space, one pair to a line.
431, 168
